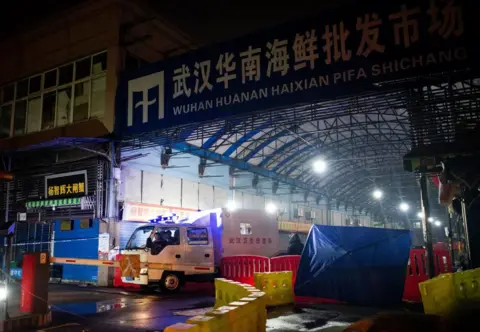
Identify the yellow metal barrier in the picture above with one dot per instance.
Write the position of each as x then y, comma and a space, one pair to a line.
238, 308
442, 294
277, 286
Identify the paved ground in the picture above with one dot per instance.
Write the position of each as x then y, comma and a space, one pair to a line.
92, 309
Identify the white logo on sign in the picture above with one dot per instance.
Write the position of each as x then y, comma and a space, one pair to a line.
144, 85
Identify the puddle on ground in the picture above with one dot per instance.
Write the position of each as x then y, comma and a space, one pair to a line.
88, 308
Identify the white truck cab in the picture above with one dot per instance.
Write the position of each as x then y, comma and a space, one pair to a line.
192, 248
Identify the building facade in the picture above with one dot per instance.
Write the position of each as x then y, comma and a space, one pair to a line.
57, 114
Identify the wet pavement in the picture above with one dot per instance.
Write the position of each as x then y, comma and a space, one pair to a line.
96, 309
316, 317
122, 311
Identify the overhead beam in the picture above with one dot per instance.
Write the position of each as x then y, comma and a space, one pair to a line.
242, 165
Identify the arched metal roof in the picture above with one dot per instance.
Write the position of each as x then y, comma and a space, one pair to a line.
363, 138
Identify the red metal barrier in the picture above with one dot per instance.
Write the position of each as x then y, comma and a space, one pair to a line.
417, 271
117, 277
242, 267
285, 263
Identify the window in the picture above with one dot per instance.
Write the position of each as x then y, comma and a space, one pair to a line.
66, 225
50, 79
197, 236
86, 223
22, 89
138, 240
99, 86
5, 118
82, 69
35, 84
80, 106
49, 104
167, 236
99, 63
33, 115
64, 105
20, 118
65, 74
70, 93
245, 229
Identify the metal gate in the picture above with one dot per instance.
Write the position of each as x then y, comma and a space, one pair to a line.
28, 237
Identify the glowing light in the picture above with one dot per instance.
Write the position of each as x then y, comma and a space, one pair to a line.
430, 219
271, 208
438, 223
377, 194
319, 166
404, 207
420, 215
231, 205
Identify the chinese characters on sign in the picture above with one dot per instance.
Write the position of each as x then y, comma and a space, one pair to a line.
144, 212
66, 189
304, 50
292, 65
291, 226
66, 185
249, 240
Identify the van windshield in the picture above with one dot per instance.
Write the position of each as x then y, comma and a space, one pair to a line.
138, 240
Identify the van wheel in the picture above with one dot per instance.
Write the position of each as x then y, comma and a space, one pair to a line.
171, 282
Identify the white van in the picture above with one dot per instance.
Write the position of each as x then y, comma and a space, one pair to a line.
191, 249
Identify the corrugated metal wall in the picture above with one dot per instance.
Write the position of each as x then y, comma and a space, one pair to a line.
29, 185
43, 224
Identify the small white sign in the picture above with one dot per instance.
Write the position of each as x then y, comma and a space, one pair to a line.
21, 216
103, 246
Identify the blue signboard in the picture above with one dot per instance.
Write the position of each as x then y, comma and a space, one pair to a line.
317, 59
16, 273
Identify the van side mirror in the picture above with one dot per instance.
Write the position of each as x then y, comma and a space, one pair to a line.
149, 243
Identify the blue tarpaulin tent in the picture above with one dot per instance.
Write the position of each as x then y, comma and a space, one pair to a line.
357, 265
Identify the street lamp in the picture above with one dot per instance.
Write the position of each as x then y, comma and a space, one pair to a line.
377, 194
319, 166
403, 207
271, 208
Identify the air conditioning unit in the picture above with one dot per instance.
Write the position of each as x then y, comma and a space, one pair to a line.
298, 212
310, 215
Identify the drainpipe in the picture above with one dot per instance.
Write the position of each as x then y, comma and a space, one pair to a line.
112, 192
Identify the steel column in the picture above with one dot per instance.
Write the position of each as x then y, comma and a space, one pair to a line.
450, 235
427, 228
467, 237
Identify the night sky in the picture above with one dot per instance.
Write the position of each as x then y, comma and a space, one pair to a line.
215, 20
205, 21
